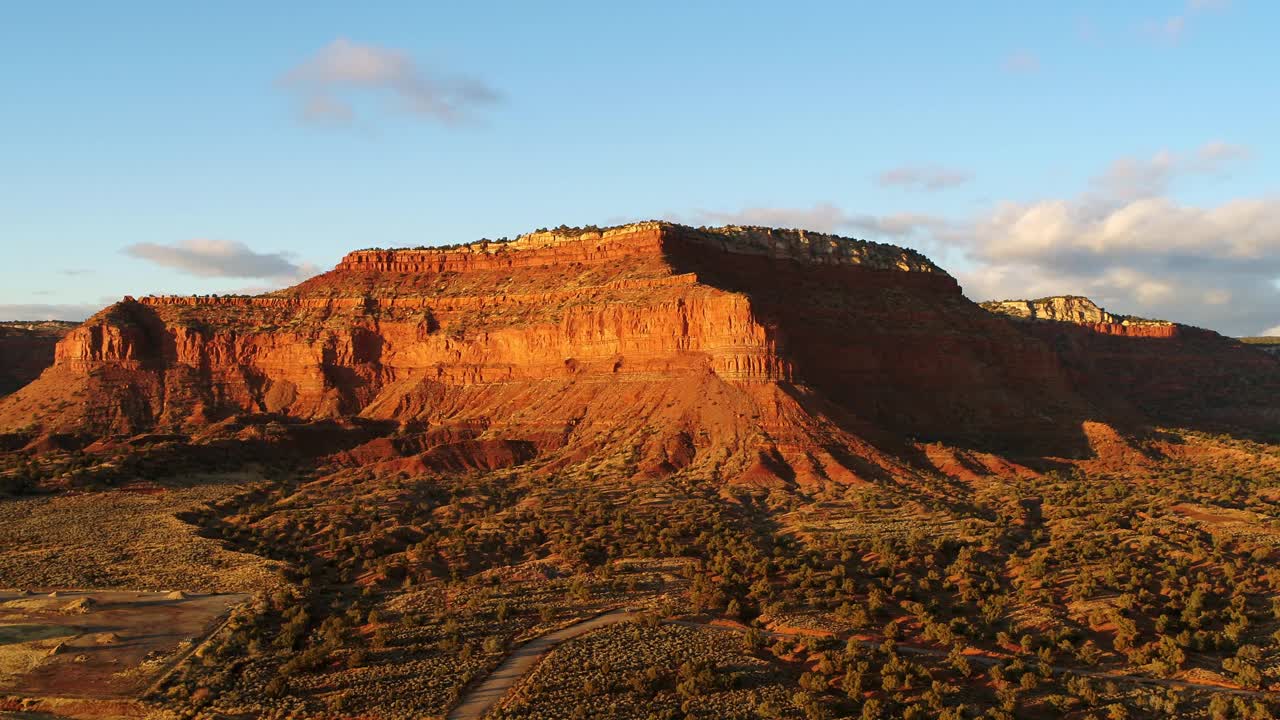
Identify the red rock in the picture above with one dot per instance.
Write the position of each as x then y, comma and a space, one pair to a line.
759, 356
26, 349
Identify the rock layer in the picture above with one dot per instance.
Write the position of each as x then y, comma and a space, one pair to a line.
1171, 373
26, 349
1084, 312
760, 353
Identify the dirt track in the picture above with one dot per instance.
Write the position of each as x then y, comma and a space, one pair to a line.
485, 695
479, 698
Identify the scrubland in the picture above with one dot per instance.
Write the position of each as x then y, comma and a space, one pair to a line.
1075, 590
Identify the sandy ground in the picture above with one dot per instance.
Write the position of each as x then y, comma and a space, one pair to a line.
98, 644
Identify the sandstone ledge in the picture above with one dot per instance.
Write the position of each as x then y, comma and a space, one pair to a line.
646, 238
1081, 311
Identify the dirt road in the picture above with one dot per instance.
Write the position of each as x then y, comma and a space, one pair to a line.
479, 698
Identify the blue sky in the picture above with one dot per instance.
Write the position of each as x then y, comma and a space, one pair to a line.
1121, 150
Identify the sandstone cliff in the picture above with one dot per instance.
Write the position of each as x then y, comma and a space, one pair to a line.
26, 349
751, 353
1081, 311
1172, 373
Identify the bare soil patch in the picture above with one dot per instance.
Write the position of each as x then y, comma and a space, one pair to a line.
112, 649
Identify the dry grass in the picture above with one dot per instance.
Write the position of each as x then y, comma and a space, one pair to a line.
123, 540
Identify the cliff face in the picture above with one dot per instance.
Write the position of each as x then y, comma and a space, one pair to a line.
756, 352
1171, 373
1061, 308
1268, 345
26, 349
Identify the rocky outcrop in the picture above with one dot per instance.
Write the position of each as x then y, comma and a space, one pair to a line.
26, 349
757, 355
1185, 375
1083, 312
565, 246
1061, 308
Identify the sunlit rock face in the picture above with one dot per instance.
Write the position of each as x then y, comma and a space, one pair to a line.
770, 352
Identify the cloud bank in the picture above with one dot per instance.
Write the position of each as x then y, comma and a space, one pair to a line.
324, 84
1123, 240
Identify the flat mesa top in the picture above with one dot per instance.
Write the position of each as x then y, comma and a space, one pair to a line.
790, 244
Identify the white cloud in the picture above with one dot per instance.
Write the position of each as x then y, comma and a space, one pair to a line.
1217, 156
324, 83
1272, 332
1022, 62
1131, 247
72, 311
1123, 240
924, 177
1131, 177
220, 258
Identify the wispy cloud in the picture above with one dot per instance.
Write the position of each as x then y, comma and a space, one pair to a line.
1022, 62
324, 84
220, 258
930, 178
1171, 29
823, 217
1217, 156
72, 311
1132, 177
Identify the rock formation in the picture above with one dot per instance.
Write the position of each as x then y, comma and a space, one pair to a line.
1081, 311
1171, 373
1063, 308
760, 353
26, 349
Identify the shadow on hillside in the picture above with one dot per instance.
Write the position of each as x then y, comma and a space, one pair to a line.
907, 353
